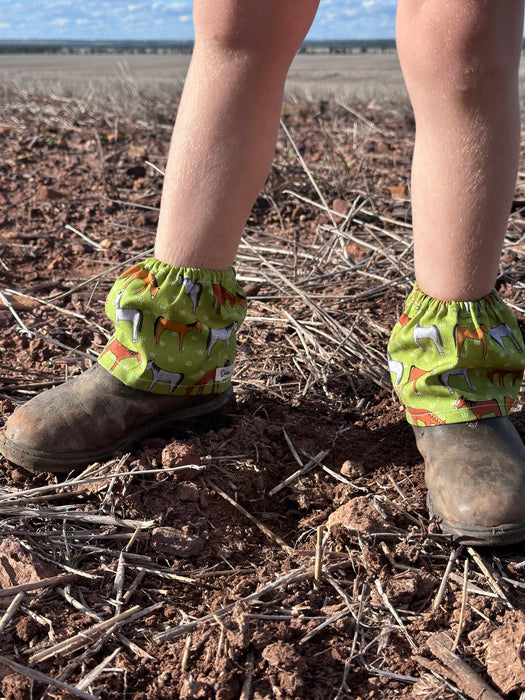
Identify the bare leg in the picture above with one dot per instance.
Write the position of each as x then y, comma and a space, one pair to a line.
460, 62
172, 354
224, 137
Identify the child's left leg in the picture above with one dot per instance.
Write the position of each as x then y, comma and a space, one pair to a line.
461, 350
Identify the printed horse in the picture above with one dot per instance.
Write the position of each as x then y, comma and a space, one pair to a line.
430, 332
480, 408
222, 295
463, 333
396, 368
134, 316
217, 334
504, 331
205, 379
445, 376
120, 352
501, 374
162, 375
192, 289
215, 375
164, 324
424, 416
415, 374
136, 272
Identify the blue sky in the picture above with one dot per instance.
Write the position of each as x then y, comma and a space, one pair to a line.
167, 19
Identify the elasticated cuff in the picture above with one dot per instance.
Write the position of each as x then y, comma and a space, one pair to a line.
454, 362
175, 328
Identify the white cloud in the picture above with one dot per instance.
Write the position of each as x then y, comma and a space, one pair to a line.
60, 21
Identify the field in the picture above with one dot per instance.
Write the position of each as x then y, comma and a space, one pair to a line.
288, 552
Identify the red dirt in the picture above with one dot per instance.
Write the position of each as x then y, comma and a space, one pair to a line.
197, 553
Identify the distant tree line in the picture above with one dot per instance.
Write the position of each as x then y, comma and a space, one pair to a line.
96, 47
180, 47
346, 46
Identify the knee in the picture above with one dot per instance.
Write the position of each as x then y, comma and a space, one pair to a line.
267, 30
460, 48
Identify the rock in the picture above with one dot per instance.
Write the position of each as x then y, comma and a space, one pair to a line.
173, 543
359, 514
18, 566
188, 493
397, 190
340, 206
49, 194
352, 469
505, 653
178, 454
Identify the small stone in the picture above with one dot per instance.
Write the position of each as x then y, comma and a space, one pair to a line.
352, 469
178, 454
18, 566
340, 206
49, 194
188, 493
173, 543
504, 653
359, 514
397, 190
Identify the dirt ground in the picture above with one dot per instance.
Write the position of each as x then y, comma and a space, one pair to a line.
190, 568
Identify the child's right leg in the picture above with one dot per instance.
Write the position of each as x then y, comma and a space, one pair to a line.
176, 315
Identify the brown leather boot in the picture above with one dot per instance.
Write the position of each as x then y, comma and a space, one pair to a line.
92, 416
475, 474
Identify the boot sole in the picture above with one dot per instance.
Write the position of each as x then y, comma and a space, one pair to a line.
197, 419
477, 536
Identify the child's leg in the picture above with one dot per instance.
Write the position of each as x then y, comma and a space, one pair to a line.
461, 349
176, 315
460, 63
224, 137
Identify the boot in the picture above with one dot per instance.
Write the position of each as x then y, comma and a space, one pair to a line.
170, 361
475, 475
94, 415
456, 366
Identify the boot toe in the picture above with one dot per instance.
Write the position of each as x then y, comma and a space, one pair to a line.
475, 475
91, 417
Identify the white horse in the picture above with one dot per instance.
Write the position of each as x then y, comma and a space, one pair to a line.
132, 315
217, 334
192, 289
162, 375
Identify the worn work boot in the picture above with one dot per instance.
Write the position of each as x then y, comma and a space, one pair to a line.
457, 367
92, 416
475, 475
170, 360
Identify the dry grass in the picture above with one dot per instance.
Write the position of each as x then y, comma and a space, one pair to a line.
309, 322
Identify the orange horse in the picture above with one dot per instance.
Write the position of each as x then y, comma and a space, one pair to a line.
480, 408
164, 324
462, 333
424, 416
121, 352
136, 272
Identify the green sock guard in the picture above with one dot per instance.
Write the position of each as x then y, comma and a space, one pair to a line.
455, 362
175, 328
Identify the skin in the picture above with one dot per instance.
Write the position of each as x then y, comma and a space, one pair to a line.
227, 124
460, 62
